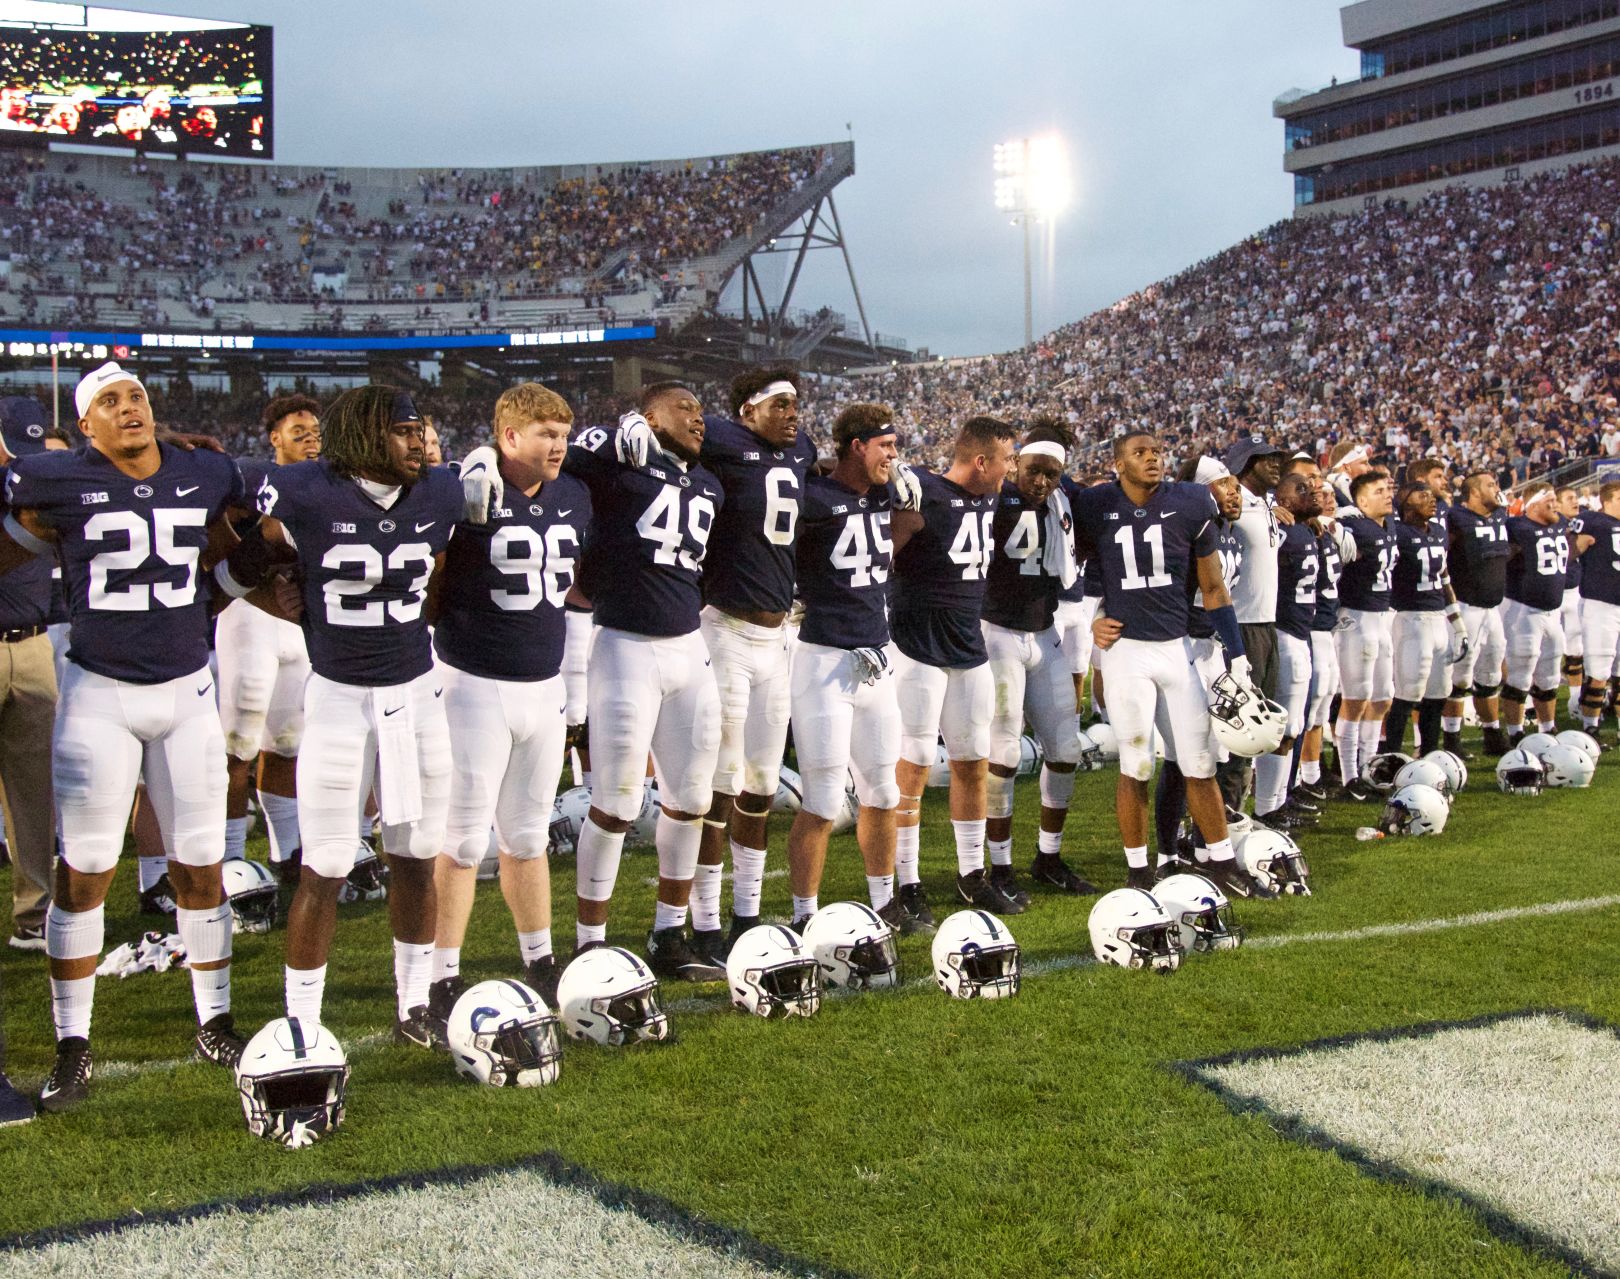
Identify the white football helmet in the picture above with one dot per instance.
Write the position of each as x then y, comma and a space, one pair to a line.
1201, 911
1091, 756
1582, 742
854, 947
644, 827
367, 880
940, 773
1567, 766
1130, 928
1414, 810
1536, 743
1273, 860
568, 813
609, 996
848, 811
771, 971
1106, 741
252, 893
501, 1033
1519, 773
1030, 756
789, 792
1246, 721
975, 957
1425, 772
292, 1078
1379, 771
1452, 765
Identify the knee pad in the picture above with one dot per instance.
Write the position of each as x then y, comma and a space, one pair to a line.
1592, 695
468, 851
921, 751
998, 796
332, 860
761, 779
1518, 696
1460, 691
823, 791
1487, 690
94, 855
1544, 694
885, 795
1057, 788
529, 848
74, 934
1574, 666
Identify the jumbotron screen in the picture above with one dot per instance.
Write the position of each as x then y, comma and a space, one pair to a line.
133, 80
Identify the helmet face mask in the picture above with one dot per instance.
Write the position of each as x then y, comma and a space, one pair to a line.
853, 947
1246, 721
639, 1017
792, 988
1380, 771
874, 962
609, 996
1155, 946
1519, 773
528, 1051
1201, 912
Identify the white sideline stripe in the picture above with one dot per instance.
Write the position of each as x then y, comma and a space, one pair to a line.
1518, 1114
1035, 968
516, 1223
651, 881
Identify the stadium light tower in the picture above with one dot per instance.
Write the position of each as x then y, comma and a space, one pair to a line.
1032, 184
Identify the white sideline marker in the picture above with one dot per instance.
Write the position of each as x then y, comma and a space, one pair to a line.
1519, 1115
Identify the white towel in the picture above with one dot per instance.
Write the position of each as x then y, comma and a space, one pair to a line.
1057, 557
399, 767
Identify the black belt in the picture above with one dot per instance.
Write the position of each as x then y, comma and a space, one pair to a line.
20, 633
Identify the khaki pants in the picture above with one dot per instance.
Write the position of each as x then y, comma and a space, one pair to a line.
27, 716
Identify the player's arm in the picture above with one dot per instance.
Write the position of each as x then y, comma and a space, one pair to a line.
1583, 543
259, 568
903, 526
433, 605
24, 537
1218, 608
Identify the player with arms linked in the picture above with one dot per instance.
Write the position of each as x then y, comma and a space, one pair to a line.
1368, 548
1597, 543
133, 521
1538, 565
1477, 558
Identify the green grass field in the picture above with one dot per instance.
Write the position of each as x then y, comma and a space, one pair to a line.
903, 1133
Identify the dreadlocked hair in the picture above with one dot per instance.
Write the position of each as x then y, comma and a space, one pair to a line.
355, 430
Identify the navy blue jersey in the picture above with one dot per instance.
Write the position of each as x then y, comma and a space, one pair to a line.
1367, 580
1019, 594
1299, 566
1420, 568
1572, 579
28, 594
364, 569
1326, 617
1229, 548
1078, 591
1540, 564
1600, 565
1147, 552
130, 552
649, 534
939, 576
501, 613
1479, 556
764, 490
843, 557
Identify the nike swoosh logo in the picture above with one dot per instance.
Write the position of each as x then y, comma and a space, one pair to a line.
423, 527
438, 692
205, 690
395, 711
565, 514
184, 492
710, 662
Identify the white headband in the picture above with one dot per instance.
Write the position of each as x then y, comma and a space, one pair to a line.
1209, 470
1357, 454
1545, 495
774, 389
1046, 448
92, 383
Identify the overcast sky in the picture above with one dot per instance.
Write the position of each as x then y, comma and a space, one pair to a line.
1166, 106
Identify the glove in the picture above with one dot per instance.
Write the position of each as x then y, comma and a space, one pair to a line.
870, 663
908, 488
633, 443
481, 485
1241, 669
1459, 647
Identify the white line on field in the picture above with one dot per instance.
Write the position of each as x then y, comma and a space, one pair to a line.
1439, 925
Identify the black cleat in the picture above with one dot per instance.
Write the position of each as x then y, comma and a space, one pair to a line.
542, 976
978, 891
670, 954
740, 924
1280, 819
159, 898
219, 1042
14, 1107
580, 947
1493, 741
442, 996
1301, 802
712, 944
1051, 871
897, 918
1316, 792
1004, 879
1140, 877
1237, 882
415, 1030
1362, 793
1304, 816
69, 1083
914, 902
1453, 743
799, 923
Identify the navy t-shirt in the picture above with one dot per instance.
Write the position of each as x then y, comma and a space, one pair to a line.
364, 568
1366, 582
1420, 568
1536, 574
1019, 593
1600, 566
764, 490
130, 552
501, 609
844, 556
1299, 566
939, 576
1479, 556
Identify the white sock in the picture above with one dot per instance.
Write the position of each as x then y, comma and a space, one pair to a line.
1590, 724
803, 906
1049, 843
1347, 733
1310, 771
597, 858
73, 934
413, 969
1490, 723
1451, 723
72, 1001
905, 854
535, 945
1270, 782
1000, 852
747, 879
305, 989
150, 869
706, 897
969, 845
1221, 850
667, 916
1546, 725
1368, 732
589, 932
446, 963
211, 991
1136, 858
880, 888
281, 822
235, 838
207, 938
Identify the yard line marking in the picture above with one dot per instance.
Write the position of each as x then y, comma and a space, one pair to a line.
1439, 925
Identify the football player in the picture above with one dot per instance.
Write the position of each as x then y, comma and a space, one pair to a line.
1538, 563
760, 458
1477, 557
1569, 511
1428, 633
1430, 472
1324, 688
1154, 538
846, 716
367, 524
263, 664
1077, 605
1032, 563
1597, 542
1364, 638
499, 637
132, 521
942, 553
1299, 566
